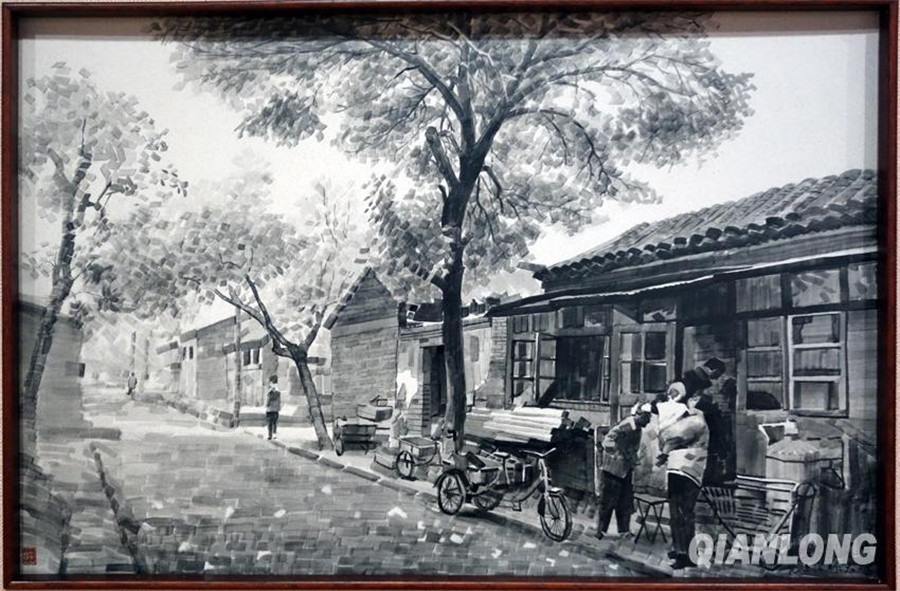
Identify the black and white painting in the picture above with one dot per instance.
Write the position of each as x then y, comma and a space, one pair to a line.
520, 294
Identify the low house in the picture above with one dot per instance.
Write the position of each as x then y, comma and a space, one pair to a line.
204, 365
381, 347
781, 286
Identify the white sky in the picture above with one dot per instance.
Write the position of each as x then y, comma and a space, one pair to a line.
815, 115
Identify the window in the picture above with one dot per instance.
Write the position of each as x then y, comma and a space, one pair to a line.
758, 293
642, 362
862, 279
523, 368
813, 288
658, 310
765, 363
816, 353
256, 356
246, 357
190, 352
474, 349
582, 369
521, 324
571, 317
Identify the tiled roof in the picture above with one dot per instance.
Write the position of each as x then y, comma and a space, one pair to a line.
812, 205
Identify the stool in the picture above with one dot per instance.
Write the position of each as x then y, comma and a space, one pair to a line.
648, 506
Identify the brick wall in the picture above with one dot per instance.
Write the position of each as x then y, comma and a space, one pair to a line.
364, 342
59, 403
492, 392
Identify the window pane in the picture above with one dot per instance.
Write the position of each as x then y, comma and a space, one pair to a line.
761, 364
863, 280
625, 377
758, 293
542, 322
522, 369
654, 377
548, 368
548, 348
823, 328
627, 346
635, 377
523, 350
817, 362
655, 345
707, 302
765, 332
816, 395
816, 287
764, 395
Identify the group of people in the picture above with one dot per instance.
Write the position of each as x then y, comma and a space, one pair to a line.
693, 441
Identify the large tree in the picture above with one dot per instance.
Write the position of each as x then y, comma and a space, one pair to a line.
231, 245
500, 124
87, 160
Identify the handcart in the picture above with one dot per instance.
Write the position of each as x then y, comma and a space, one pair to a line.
414, 452
353, 433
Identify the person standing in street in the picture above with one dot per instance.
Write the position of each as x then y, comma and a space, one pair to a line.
132, 385
273, 407
620, 455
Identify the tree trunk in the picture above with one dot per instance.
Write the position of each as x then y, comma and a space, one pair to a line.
452, 334
312, 396
238, 368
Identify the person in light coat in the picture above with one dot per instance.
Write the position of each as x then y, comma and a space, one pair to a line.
683, 442
620, 455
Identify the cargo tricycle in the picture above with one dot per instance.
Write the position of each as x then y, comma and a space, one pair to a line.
500, 477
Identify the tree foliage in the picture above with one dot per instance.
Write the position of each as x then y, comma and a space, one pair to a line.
550, 108
91, 161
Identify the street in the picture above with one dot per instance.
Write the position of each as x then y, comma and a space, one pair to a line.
222, 502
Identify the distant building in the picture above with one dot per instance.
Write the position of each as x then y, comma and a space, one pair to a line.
202, 364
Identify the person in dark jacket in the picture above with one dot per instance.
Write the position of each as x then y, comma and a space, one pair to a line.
273, 407
719, 465
620, 456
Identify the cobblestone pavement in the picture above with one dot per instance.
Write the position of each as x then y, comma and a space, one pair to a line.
201, 500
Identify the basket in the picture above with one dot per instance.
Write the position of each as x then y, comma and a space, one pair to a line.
484, 475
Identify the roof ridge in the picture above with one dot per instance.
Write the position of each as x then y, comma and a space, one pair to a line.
766, 213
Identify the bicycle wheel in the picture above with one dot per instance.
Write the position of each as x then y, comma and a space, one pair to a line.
556, 520
339, 446
405, 464
488, 500
451, 493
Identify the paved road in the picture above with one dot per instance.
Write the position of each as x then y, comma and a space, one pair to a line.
220, 502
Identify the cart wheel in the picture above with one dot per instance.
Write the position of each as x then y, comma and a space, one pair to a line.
488, 500
339, 446
556, 521
451, 493
405, 464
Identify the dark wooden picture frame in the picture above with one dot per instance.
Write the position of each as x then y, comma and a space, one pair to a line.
12, 12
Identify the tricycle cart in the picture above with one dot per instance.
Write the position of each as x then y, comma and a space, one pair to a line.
415, 451
353, 433
486, 481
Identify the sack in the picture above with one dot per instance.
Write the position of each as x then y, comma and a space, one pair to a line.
682, 432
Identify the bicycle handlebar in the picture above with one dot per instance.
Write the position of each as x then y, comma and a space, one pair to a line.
529, 452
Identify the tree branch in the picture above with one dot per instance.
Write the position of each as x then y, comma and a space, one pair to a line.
433, 139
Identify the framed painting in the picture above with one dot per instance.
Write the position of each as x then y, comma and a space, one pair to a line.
473, 294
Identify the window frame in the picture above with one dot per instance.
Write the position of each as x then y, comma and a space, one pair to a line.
840, 380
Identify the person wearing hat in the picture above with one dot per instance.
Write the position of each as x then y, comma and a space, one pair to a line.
620, 456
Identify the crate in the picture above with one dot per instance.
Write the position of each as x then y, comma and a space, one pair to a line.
421, 448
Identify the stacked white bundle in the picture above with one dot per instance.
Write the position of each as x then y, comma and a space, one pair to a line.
524, 424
